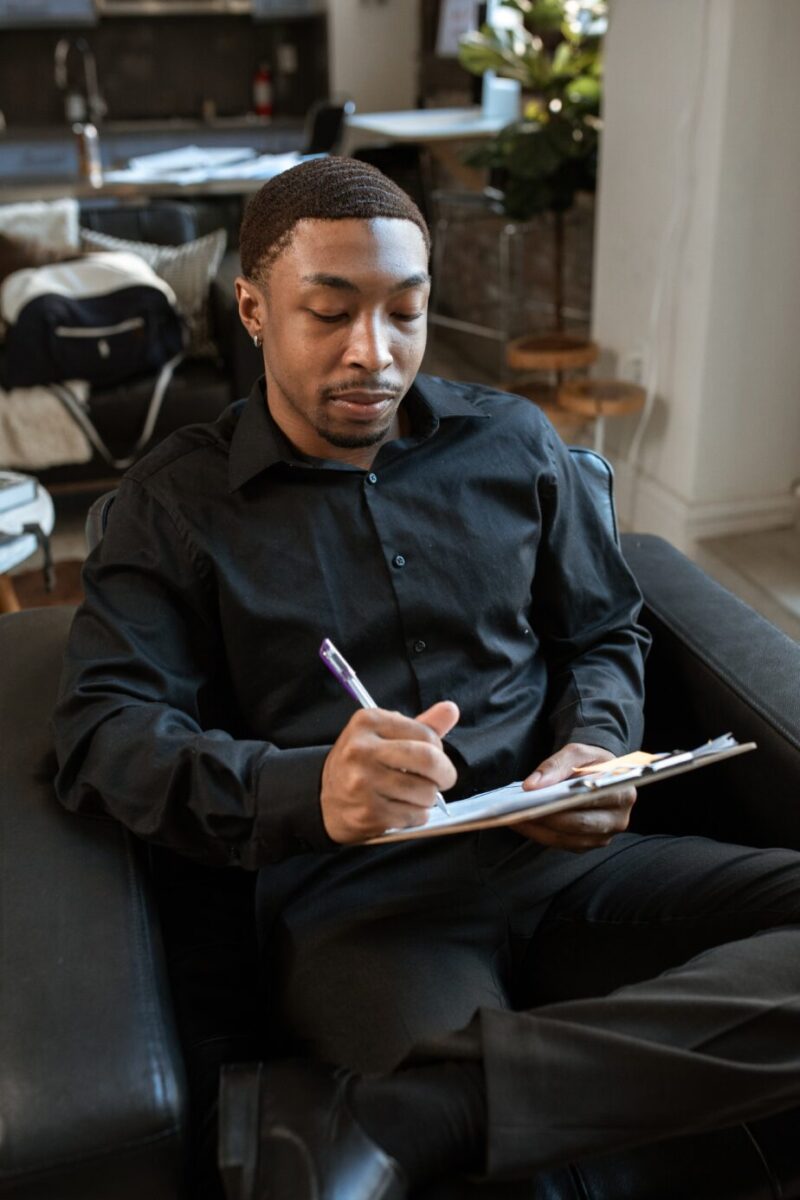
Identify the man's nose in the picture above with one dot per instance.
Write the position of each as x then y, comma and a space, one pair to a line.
369, 345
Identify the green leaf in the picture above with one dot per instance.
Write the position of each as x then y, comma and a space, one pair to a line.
499, 50
563, 59
530, 153
545, 16
584, 91
523, 6
535, 110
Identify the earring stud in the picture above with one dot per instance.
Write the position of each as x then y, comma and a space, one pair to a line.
256, 341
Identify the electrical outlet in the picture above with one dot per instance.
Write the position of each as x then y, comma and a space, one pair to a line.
632, 367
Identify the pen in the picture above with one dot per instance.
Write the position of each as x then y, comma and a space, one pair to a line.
340, 668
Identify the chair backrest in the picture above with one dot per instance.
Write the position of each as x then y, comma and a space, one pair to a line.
324, 125
598, 474
97, 517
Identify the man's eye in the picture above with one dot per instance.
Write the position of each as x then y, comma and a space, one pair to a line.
328, 318
408, 316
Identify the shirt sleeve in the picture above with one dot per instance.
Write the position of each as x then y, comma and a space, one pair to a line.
137, 734
586, 606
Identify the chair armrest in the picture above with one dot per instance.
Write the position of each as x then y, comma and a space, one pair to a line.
716, 665
91, 1079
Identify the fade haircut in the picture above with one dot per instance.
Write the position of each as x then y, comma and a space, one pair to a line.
322, 189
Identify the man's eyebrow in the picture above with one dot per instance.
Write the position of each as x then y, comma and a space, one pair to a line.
320, 279
418, 280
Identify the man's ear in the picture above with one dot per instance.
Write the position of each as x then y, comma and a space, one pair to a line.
252, 306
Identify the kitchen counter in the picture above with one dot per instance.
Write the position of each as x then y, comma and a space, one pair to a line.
40, 163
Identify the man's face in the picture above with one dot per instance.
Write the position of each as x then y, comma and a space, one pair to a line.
343, 321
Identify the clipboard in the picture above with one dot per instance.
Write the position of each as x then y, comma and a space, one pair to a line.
511, 804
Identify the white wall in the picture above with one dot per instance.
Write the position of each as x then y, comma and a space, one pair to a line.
373, 52
698, 259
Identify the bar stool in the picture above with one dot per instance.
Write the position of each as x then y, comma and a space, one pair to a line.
570, 403
535, 355
598, 399
551, 352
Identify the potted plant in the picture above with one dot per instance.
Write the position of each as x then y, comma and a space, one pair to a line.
539, 162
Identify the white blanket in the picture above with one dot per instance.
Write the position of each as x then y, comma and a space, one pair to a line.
36, 431
53, 223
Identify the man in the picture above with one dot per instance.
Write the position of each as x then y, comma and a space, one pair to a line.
441, 536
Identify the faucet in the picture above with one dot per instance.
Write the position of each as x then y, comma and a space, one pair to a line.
96, 104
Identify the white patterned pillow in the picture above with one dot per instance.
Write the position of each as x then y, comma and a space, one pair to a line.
188, 269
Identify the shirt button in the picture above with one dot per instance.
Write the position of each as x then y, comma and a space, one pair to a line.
372, 477
419, 646
398, 561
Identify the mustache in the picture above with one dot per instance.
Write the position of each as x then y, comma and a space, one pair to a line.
361, 385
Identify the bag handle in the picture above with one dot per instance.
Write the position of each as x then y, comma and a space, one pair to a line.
77, 411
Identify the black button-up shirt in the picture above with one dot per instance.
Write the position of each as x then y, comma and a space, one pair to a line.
468, 564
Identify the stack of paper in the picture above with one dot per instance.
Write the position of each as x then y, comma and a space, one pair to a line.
192, 165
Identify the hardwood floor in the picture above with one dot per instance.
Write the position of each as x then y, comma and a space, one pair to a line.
761, 568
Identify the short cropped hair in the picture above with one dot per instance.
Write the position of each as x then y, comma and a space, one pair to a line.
322, 189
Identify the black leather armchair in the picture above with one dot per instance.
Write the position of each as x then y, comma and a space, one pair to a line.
93, 1092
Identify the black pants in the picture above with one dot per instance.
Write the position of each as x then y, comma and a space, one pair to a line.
632, 993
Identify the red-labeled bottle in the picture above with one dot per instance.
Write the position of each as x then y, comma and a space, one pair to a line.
262, 91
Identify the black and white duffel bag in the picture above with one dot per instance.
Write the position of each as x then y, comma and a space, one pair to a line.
104, 317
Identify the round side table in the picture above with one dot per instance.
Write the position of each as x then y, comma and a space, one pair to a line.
16, 544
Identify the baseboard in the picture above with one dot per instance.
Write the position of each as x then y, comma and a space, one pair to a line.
644, 504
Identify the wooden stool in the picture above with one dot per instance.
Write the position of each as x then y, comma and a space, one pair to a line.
551, 352
8, 596
600, 398
568, 425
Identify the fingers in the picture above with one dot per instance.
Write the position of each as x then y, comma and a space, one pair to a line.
585, 828
561, 764
623, 799
412, 761
407, 745
440, 717
383, 771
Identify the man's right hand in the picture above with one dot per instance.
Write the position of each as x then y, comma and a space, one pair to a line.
384, 770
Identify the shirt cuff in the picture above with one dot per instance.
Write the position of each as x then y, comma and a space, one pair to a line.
288, 812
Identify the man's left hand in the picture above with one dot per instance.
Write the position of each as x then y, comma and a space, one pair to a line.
595, 822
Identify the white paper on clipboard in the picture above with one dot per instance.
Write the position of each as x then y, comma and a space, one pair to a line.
509, 804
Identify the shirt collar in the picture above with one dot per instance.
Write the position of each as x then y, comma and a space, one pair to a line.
258, 443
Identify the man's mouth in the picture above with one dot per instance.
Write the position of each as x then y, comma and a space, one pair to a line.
362, 405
